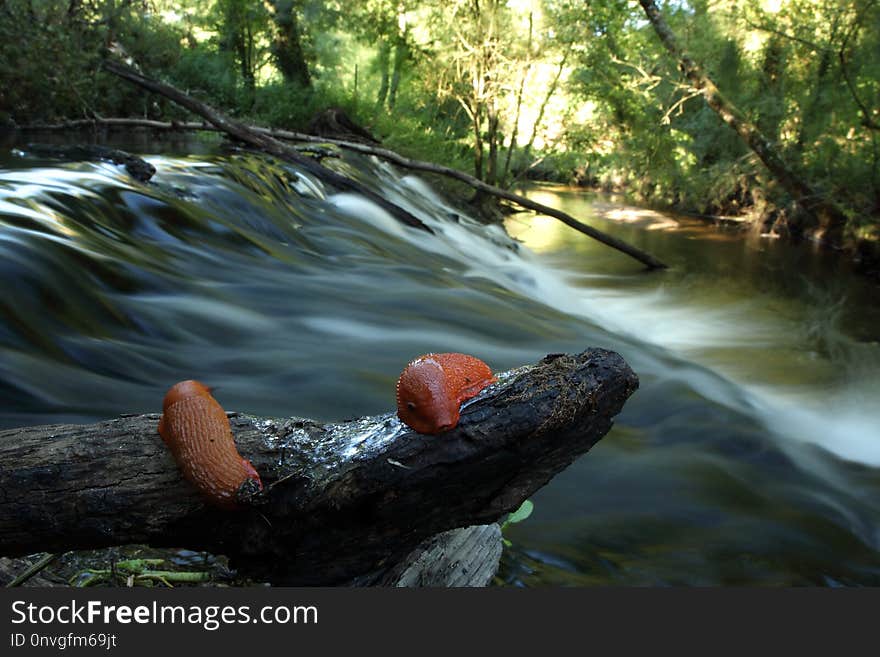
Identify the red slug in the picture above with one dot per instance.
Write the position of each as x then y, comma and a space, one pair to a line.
432, 387
195, 428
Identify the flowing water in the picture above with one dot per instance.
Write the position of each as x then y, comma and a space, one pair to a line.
750, 454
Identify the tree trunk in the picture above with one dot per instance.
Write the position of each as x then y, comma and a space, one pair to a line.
477, 127
343, 502
511, 146
383, 61
519, 98
827, 220
492, 138
401, 53
546, 101
248, 72
287, 45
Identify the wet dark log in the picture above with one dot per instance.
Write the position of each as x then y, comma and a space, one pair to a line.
344, 503
137, 168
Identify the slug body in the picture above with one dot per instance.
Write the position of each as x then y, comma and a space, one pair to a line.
432, 387
195, 428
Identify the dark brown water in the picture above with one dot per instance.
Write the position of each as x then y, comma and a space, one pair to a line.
750, 455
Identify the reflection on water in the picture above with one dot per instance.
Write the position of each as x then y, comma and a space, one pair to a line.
749, 455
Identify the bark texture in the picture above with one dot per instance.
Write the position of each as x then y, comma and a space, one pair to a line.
344, 502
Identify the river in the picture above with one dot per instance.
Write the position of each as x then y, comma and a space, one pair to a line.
750, 454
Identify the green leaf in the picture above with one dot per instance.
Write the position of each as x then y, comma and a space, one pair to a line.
524, 511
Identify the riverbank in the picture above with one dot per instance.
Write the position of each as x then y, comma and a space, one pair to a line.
750, 213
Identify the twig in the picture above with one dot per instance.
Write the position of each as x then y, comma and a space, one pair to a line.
33, 570
695, 93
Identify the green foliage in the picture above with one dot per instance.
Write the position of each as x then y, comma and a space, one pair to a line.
522, 513
585, 90
290, 106
137, 572
50, 57
784, 64
46, 78
209, 75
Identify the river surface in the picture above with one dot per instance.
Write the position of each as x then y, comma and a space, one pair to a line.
750, 454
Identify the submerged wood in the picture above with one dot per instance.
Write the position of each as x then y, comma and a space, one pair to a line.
345, 502
137, 167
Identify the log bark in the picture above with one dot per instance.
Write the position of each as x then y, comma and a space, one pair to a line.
828, 218
343, 503
457, 558
416, 165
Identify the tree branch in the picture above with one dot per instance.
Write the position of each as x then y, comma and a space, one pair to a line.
828, 218
867, 115
262, 141
415, 165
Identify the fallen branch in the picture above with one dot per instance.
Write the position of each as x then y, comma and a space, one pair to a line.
264, 142
345, 502
32, 570
417, 165
267, 139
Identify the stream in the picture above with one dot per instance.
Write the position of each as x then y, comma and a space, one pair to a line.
749, 456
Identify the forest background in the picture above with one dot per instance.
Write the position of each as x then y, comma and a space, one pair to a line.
557, 90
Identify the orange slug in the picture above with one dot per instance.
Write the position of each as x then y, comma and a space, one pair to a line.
195, 428
432, 387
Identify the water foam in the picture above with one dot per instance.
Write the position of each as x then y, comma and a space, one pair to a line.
842, 417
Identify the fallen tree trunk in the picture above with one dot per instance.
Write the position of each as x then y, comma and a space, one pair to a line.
265, 140
829, 219
344, 502
415, 165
